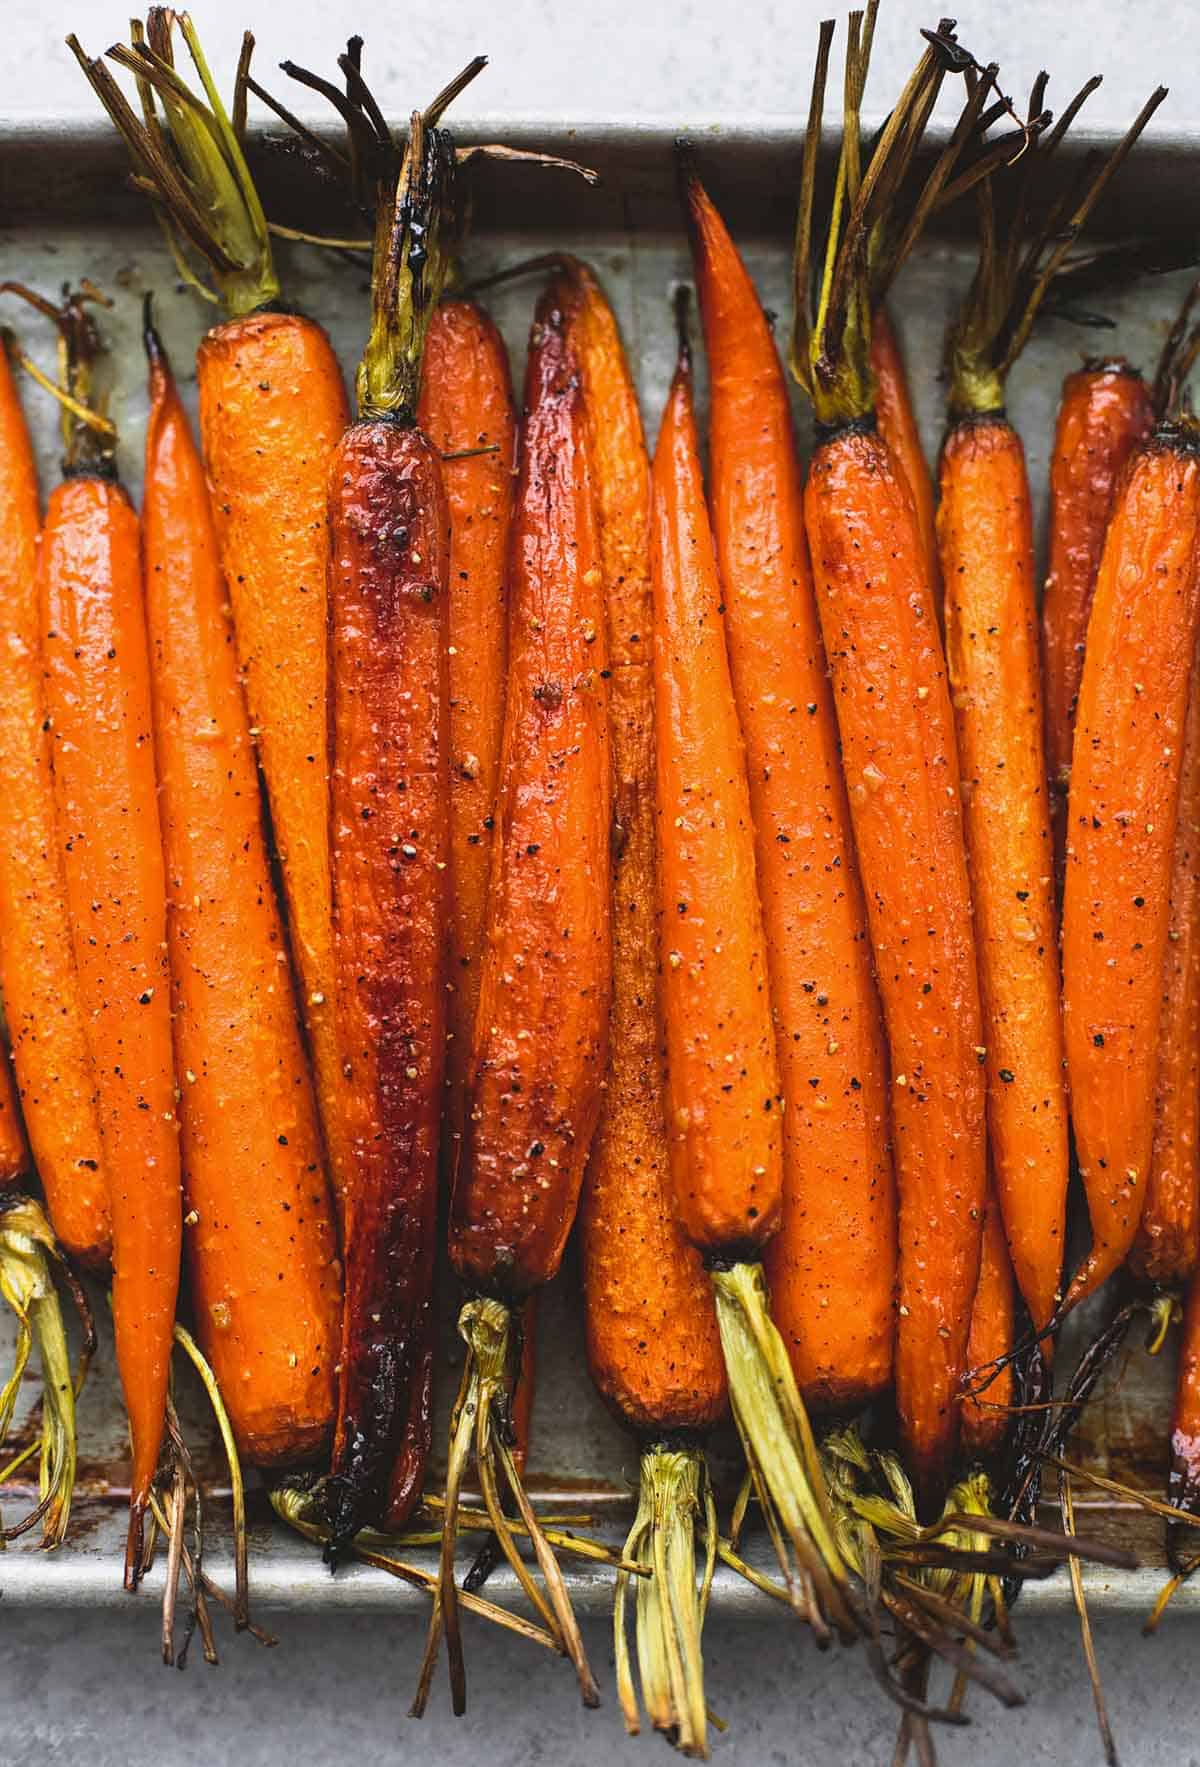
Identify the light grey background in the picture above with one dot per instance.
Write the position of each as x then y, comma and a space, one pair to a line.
76, 1689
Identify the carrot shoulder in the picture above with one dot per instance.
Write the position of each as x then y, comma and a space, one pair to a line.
837, 1236
1123, 810
985, 530
106, 789
39, 978
260, 1240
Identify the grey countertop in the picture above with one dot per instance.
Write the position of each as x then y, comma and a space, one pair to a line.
88, 1688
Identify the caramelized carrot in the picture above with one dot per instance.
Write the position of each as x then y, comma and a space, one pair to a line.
1123, 811
898, 426
985, 1419
653, 1345
1183, 1477
838, 1229
1168, 1236
260, 1238
985, 531
466, 409
97, 672
39, 978
1105, 411
14, 1155
272, 406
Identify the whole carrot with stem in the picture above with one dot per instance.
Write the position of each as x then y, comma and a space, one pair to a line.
1168, 1237
39, 978
898, 747
723, 1093
97, 682
539, 1051
838, 1226
259, 1230
466, 410
1106, 410
264, 372
653, 1345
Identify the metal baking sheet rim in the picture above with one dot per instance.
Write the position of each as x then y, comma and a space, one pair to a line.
752, 163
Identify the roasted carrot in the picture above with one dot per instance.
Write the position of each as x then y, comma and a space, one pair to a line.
97, 677
1168, 1236
898, 748
389, 525
985, 1418
14, 1154
838, 1228
1123, 810
723, 1098
1183, 1476
260, 1236
897, 422
272, 407
1105, 411
539, 1050
39, 979
466, 410
653, 1345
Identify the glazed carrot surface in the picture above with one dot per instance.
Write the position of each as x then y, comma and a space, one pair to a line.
390, 813
1168, 1236
106, 788
272, 406
1123, 809
898, 747
259, 1233
467, 405
39, 978
898, 426
14, 1154
723, 1092
540, 1047
985, 531
1105, 411
653, 1345
837, 1235
985, 1418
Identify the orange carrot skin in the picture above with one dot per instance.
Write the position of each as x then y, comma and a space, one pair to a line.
98, 696
898, 426
652, 1339
39, 978
723, 1093
540, 1047
272, 407
837, 1237
1168, 1237
985, 531
898, 746
1123, 810
1183, 1476
14, 1154
260, 1237
467, 404
389, 530
985, 1425
1106, 411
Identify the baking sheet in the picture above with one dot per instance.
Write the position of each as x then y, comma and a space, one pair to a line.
66, 214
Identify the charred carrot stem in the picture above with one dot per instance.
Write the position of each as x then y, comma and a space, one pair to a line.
1168, 1237
265, 373
259, 1229
653, 1345
95, 655
1123, 812
540, 1044
1105, 412
39, 978
838, 1227
985, 1418
897, 422
466, 405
